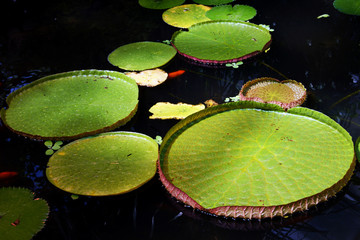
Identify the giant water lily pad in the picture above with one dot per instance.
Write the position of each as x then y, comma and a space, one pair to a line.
221, 41
287, 94
351, 7
71, 105
106, 164
21, 217
140, 56
186, 15
254, 160
160, 4
228, 12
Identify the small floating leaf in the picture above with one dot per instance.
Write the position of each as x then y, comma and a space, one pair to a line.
149, 78
106, 164
71, 105
323, 16
221, 41
185, 15
351, 7
21, 216
228, 12
287, 94
160, 4
141, 55
166, 110
48, 143
49, 152
213, 2
254, 160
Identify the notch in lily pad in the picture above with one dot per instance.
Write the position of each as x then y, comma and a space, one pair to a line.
287, 93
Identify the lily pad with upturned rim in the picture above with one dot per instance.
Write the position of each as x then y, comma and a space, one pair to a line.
21, 216
219, 42
287, 93
106, 164
141, 56
71, 105
254, 160
186, 15
228, 12
160, 4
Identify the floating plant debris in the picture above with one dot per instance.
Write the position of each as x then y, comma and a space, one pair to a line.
185, 15
160, 4
141, 56
287, 94
351, 7
166, 110
228, 12
219, 42
71, 105
149, 78
213, 2
107, 164
21, 216
254, 160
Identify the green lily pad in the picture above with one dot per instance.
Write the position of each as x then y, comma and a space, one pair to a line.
71, 105
160, 4
228, 12
186, 15
106, 164
213, 2
351, 7
287, 94
141, 55
21, 217
254, 160
221, 41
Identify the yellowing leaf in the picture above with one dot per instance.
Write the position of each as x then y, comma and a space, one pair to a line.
148, 78
166, 110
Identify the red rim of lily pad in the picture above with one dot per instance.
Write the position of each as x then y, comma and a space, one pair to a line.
296, 89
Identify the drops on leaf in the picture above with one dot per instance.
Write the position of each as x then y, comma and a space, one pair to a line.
166, 110
185, 15
254, 160
287, 94
160, 4
21, 216
71, 105
106, 164
228, 12
220, 42
149, 78
141, 56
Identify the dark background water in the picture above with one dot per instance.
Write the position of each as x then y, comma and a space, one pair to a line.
39, 38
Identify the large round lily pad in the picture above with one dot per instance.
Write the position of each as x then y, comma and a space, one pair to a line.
106, 164
186, 15
140, 56
71, 105
254, 160
21, 216
221, 41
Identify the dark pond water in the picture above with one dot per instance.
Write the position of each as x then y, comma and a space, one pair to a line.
40, 38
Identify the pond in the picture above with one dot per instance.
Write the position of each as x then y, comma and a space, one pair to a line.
39, 38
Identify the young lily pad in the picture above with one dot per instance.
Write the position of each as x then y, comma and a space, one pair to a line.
71, 105
160, 4
140, 56
287, 94
351, 7
21, 216
166, 110
254, 160
218, 42
149, 78
106, 164
228, 12
213, 2
185, 15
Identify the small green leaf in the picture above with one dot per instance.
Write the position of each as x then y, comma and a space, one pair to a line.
323, 16
167, 42
158, 139
48, 143
49, 152
74, 196
57, 145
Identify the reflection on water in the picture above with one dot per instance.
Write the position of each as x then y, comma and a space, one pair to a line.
40, 38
